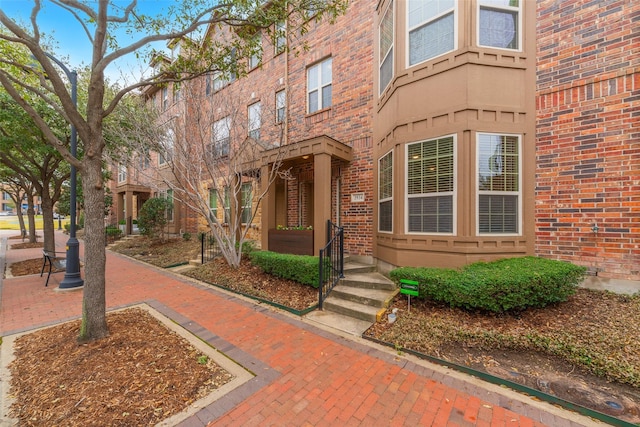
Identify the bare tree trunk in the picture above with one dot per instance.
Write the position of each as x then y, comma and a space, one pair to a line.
47, 222
94, 323
31, 216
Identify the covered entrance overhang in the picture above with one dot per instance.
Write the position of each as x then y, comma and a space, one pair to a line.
316, 154
129, 199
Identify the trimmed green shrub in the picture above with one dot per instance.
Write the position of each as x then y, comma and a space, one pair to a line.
300, 268
510, 284
113, 231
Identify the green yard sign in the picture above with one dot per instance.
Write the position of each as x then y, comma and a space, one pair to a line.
409, 287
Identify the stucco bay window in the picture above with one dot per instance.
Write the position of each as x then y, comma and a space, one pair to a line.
431, 27
499, 23
319, 91
385, 193
430, 186
499, 194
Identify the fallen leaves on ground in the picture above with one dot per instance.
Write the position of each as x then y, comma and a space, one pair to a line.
139, 375
590, 340
251, 280
161, 253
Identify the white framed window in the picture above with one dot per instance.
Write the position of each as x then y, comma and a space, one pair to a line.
208, 86
122, 173
431, 186
219, 81
165, 98
254, 115
170, 208
213, 202
144, 159
499, 23
499, 195
386, 35
281, 103
385, 192
319, 77
176, 92
166, 146
220, 138
256, 56
280, 42
431, 29
247, 199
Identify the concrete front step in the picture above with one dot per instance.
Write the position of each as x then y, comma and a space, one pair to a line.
352, 309
351, 267
340, 322
368, 281
370, 297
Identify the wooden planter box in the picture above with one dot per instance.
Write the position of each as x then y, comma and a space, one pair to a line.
298, 242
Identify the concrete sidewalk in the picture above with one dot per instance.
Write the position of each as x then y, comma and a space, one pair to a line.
305, 375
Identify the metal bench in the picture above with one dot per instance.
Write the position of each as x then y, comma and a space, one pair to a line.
54, 262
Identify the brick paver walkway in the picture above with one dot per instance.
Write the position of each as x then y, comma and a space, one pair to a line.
305, 375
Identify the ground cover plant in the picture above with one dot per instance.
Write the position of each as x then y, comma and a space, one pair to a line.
584, 350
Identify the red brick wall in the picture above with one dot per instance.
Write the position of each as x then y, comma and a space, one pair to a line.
588, 135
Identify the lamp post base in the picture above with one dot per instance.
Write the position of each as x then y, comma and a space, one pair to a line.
72, 278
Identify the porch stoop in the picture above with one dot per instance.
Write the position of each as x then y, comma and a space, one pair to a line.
359, 300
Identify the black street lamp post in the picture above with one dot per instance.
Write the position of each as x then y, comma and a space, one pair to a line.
72, 278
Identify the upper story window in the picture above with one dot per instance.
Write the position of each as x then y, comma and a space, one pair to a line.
280, 37
386, 35
221, 138
430, 186
254, 120
431, 26
166, 145
319, 89
122, 173
208, 85
176, 92
281, 103
385, 192
498, 184
499, 23
165, 98
256, 56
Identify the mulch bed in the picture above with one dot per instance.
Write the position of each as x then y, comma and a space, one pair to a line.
139, 375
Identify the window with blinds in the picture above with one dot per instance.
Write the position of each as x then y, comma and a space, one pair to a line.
386, 48
385, 193
498, 184
430, 186
499, 23
431, 27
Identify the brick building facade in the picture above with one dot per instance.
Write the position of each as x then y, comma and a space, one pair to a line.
588, 126
531, 108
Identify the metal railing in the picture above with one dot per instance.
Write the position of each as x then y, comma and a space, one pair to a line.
209, 248
331, 262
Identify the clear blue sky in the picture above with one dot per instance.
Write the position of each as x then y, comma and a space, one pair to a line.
73, 47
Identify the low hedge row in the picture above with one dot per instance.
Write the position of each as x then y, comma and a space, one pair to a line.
301, 268
511, 284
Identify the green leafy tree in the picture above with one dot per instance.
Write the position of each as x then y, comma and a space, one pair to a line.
24, 152
101, 20
152, 218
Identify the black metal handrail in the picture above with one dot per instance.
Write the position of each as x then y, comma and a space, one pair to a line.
331, 262
209, 248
